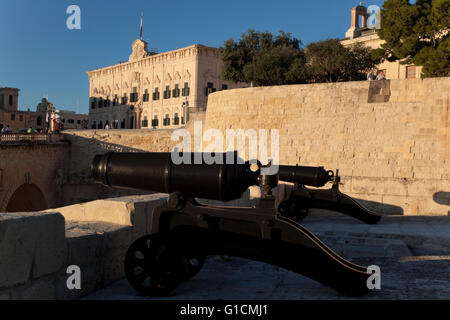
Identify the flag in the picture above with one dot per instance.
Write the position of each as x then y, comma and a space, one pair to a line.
140, 33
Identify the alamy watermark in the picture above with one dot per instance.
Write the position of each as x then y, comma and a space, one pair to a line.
73, 21
74, 280
209, 145
374, 19
374, 281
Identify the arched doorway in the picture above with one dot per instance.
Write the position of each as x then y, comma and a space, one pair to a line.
27, 198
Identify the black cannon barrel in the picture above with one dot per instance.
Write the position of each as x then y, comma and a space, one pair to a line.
310, 176
157, 172
225, 182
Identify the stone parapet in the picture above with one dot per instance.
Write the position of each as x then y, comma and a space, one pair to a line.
36, 248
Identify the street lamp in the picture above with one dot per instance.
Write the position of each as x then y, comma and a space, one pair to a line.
185, 106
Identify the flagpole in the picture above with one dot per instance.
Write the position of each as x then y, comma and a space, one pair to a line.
140, 31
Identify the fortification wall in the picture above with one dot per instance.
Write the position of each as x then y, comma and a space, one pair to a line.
389, 139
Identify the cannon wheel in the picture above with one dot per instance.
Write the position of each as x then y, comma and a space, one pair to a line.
194, 265
153, 266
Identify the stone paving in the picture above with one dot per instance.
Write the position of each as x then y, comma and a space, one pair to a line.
412, 252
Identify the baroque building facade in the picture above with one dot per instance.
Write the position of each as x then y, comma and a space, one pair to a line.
155, 90
360, 31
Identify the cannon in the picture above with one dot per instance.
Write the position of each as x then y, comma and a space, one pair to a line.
184, 231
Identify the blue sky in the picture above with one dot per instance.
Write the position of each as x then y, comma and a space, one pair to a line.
39, 55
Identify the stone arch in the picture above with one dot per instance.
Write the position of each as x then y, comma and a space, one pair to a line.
24, 198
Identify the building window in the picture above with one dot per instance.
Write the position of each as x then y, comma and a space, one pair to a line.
106, 102
167, 93
115, 100
145, 97
10, 100
156, 94
410, 72
100, 125
176, 91
166, 120
39, 121
122, 124
145, 122
100, 102
13, 117
209, 88
124, 98
155, 122
224, 87
134, 95
21, 118
78, 121
93, 102
94, 125
185, 90
71, 121
176, 120
63, 120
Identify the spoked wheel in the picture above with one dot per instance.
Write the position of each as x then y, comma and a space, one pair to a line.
153, 267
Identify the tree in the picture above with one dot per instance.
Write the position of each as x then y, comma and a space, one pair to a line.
330, 61
263, 59
416, 33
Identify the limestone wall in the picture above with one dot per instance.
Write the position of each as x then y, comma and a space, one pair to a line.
389, 139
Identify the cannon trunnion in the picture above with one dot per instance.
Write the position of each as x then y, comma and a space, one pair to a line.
185, 231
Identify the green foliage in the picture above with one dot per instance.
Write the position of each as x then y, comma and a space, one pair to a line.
416, 33
330, 61
264, 60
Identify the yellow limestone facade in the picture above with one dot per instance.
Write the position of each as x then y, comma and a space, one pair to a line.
155, 90
369, 37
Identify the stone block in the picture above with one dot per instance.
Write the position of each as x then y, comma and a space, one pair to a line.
114, 265
91, 280
422, 187
39, 289
84, 249
31, 245
400, 205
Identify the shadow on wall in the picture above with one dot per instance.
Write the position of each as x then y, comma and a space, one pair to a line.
384, 208
79, 186
27, 198
443, 198
379, 91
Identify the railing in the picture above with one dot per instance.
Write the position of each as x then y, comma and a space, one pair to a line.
34, 137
